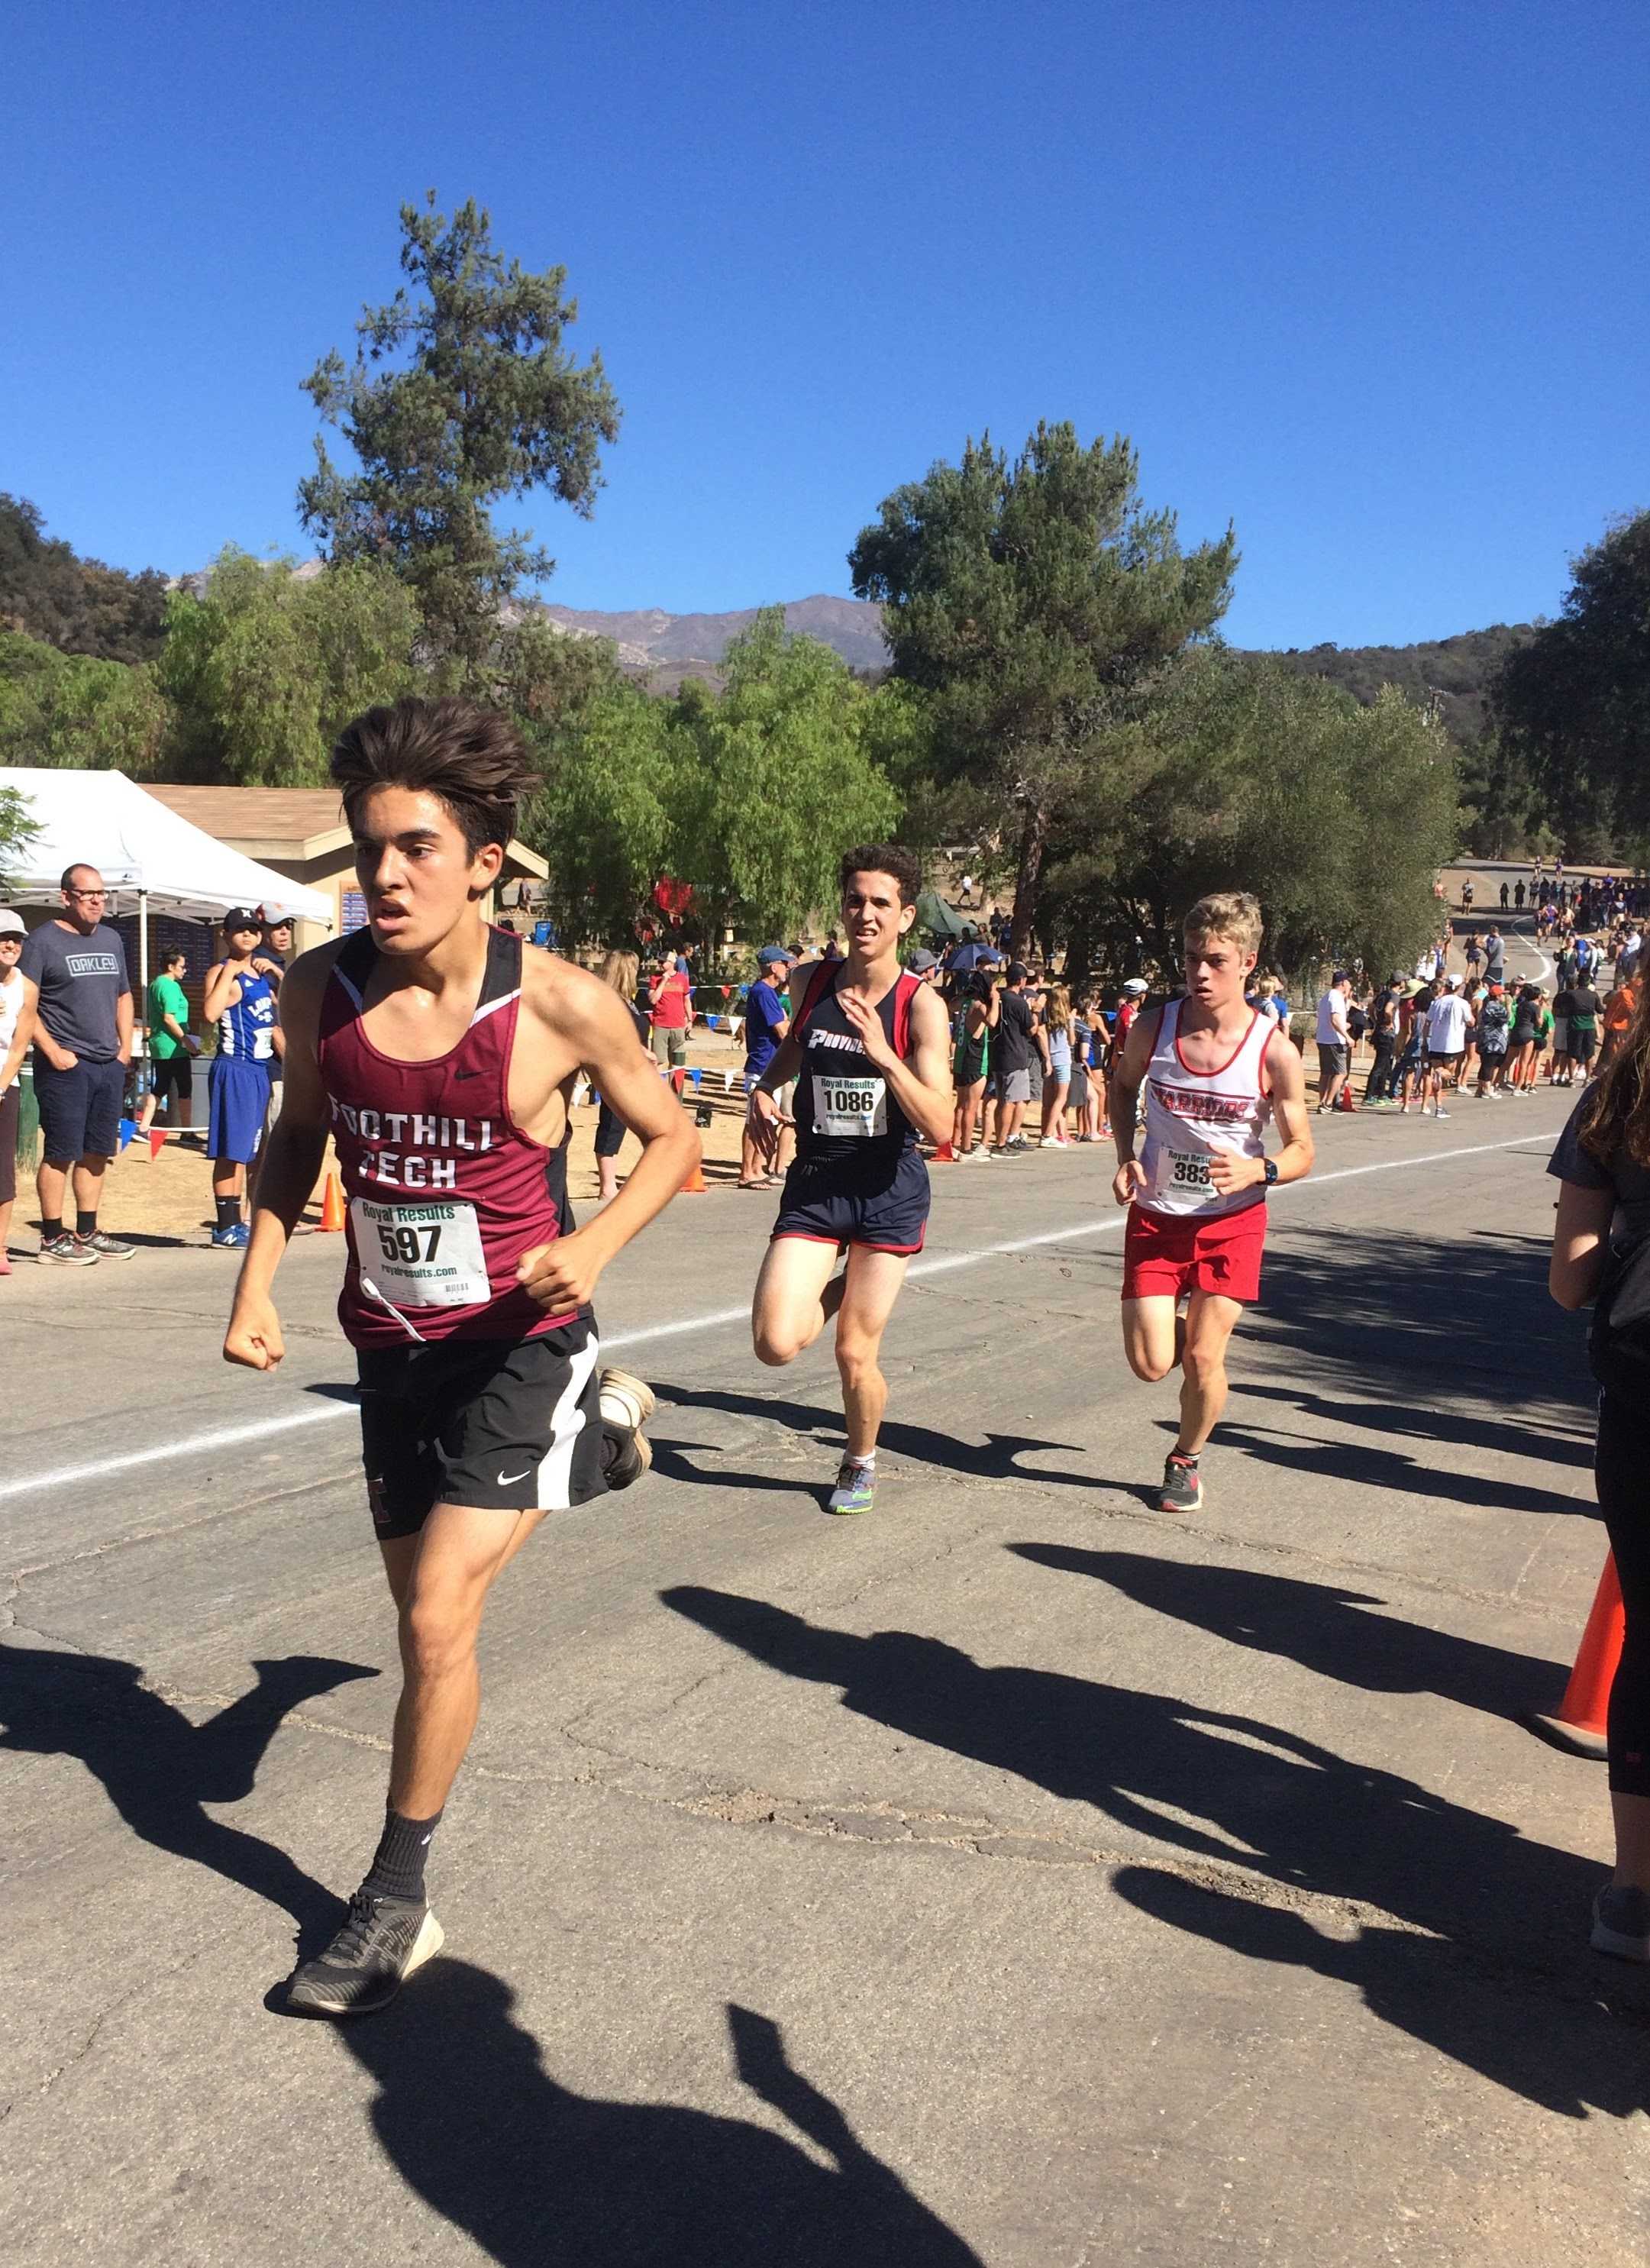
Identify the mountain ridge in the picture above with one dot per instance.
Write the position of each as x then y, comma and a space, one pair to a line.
1455, 673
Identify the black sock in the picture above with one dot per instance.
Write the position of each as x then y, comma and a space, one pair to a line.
50, 1228
86, 1224
398, 1864
228, 1211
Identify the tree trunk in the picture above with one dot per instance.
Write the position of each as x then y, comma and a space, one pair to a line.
1034, 838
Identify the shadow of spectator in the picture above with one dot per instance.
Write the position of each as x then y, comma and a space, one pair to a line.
1248, 1794
1392, 1310
541, 2176
1321, 1626
158, 1769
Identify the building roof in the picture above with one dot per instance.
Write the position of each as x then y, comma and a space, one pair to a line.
305, 821
290, 822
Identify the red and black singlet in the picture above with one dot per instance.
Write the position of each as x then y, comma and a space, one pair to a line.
446, 1192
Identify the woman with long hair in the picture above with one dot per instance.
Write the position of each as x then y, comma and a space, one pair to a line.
1092, 1126
977, 1020
1601, 1253
1058, 1025
620, 970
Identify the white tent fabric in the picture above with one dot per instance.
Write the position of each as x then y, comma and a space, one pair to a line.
141, 850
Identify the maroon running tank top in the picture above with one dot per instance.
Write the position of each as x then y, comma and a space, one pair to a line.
445, 1191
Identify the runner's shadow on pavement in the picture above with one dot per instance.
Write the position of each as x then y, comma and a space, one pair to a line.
1546, 1436
672, 1465
1264, 1802
160, 1770
1320, 1626
1369, 1467
998, 1460
541, 2176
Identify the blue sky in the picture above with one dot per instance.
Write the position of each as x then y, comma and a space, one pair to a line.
1369, 282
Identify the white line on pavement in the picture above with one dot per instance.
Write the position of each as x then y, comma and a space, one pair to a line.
319, 1413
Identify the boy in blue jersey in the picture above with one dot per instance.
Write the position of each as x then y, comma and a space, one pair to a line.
241, 1001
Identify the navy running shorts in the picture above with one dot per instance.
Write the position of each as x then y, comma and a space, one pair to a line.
238, 1092
843, 1202
80, 1109
505, 1424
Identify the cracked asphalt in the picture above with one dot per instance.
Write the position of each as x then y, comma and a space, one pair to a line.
1016, 1876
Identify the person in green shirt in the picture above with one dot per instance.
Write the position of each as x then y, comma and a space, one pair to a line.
172, 1049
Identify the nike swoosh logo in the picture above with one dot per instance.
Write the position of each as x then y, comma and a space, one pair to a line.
505, 1479
466, 1074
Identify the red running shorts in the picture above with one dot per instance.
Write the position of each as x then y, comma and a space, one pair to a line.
1166, 1255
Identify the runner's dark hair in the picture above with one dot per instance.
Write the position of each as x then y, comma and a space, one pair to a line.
1616, 1111
883, 858
472, 758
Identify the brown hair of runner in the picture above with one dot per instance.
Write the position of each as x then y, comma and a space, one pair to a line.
883, 858
472, 758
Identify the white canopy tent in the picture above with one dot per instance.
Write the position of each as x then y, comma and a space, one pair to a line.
144, 852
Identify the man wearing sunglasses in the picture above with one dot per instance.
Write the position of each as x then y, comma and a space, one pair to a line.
83, 1043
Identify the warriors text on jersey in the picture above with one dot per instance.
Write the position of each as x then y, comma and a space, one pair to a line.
1191, 1117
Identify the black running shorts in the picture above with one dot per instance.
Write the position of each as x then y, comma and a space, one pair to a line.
505, 1424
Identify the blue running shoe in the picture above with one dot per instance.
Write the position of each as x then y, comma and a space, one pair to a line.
856, 1487
233, 1239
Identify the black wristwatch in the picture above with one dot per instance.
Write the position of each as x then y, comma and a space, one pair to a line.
1270, 1168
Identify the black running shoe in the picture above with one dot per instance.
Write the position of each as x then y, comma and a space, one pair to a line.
1182, 1490
366, 1964
627, 1404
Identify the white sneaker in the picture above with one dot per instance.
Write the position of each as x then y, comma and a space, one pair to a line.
1440, 1112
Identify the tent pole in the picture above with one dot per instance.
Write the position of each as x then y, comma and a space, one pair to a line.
141, 1005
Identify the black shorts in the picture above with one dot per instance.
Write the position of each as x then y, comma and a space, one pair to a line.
80, 1109
172, 1075
507, 1424
883, 1206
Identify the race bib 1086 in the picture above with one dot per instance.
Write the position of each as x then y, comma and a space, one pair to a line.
853, 1107
420, 1255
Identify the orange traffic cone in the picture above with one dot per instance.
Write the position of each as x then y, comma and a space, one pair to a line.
1579, 1724
945, 1155
695, 1184
1344, 1100
332, 1203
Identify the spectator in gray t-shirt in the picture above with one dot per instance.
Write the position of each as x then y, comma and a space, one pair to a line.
83, 1043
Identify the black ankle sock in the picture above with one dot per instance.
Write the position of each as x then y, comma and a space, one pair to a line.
228, 1211
398, 1864
86, 1224
51, 1228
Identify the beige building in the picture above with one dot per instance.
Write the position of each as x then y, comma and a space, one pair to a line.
301, 832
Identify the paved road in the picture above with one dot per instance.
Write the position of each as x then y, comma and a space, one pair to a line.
1017, 1876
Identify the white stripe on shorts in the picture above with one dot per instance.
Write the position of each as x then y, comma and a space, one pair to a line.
567, 1422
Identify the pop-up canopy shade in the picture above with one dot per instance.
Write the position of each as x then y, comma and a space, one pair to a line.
141, 849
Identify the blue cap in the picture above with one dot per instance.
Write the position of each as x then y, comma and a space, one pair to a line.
771, 956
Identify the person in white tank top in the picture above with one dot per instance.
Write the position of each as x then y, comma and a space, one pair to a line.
1215, 1073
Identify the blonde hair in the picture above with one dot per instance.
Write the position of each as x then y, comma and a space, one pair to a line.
1231, 914
1059, 1004
619, 969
